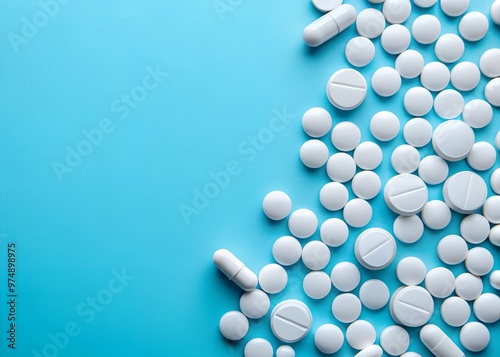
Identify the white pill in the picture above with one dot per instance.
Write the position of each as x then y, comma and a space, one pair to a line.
334, 232
254, 304
489, 63
386, 81
346, 89
449, 48
454, 8
411, 306
492, 92
477, 113
465, 76
302, 223
328, 338
440, 282
375, 248
435, 76
357, 213
455, 311
479, 261
425, 3
449, 104
453, 140
411, 271
495, 181
487, 308
436, 214
316, 122
345, 276
258, 347
475, 228
426, 29
468, 286
370, 351
408, 229
368, 155
384, 126
417, 132
495, 12
235, 270
374, 294
370, 23
491, 209
366, 185
411, 354
326, 5
315, 255
360, 51
333, 196
273, 278
341, 167
395, 39
405, 194
494, 236
395, 340
346, 307
396, 11
405, 159
473, 26
276, 205
433, 170
233, 325
465, 192
360, 334
418, 101
317, 284
346, 136
291, 321
452, 249
287, 250
438, 343
285, 351
410, 64
495, 279
314, 153
474, 336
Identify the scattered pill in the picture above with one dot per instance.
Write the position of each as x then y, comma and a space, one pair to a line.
475, 228
316, 122
436, 214
357, 213
317, 284
326, 5
408, 229
233, 325
473, 26
386, 81
411, 354
494, 235
465, 76
479, 261
346, 307
374, 294
440, 282
384, 126
254, 304
453, 140
341, 167
346, 136
405, 194
438, 343
395, 39
315, 255
452, 249
425, 3
417, 132
287, 250
375, 248
418, 101
411, 306
455, 311
370, 351
291, 321
477, 113
235, 270
333, 196
474, 336
360, 51
346, 89
395, 340
314, 153
273, 278
454, 8
285, 351
360, 334
426, 29
449, 48
492, 92
465, 192
488, 63
370, 23
435, 76
487, 308
433, 170
410, 64
449, 104
345, 276
495, 181
495, 12
491, 209
411, 271
334, 232
258, 347
405, 159
276, 205
495, 279
468, 286
366, 185
328, 338
302, 223
396, 11
368, 155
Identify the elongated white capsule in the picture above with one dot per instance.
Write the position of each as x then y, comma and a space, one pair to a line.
370, 351
235, 270
438, 342
329, 25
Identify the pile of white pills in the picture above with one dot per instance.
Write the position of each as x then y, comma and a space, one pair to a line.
461, 167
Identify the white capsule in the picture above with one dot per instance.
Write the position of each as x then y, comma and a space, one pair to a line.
329, 25
438, 342
370, 351
235, 270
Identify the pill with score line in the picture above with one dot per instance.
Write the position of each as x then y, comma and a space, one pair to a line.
346, 89
291, 321
375, 248
405, 194
411, 306
465, 192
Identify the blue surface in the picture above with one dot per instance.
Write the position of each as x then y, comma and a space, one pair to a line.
117, 210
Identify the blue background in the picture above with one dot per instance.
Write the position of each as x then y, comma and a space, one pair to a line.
119, 208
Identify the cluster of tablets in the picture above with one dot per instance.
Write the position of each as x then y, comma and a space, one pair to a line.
406, 194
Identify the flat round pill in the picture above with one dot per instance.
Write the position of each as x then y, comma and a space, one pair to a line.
374, 294
334, 232
454, 8
333, 196
408, 229
302, 223
495, 181
468, 286
433, 170
326, 5
375, 248
328, 338
435, 76
440, 282
345, 276
287, 250
449, 104
346, 307
425, 3
479, 261
489, 63
291, 321
233, 325
258, 347
384, 126
405, 194
346, 89
418, 101
417, 132
405, 159
386, 81
368, 155
285, 351
410, 64
452, 249
455, 311
449, 48
366, 185
473, 26
273, 278
360, 334
316, 122
359, 51
465, 192
357, 213
474, 336
341, 167
315, 255
453, 140
395, 39
494, 235
370, 23
395, 340
491, 209
277, 205
314, 153
495, 279
317, 284
436, 214
426, 29
411, 306
487, 308
465, 76
477, 113
475, 228
411, 354
346, 136
255, 303
411, 271
492, 92
495, 12
396, 11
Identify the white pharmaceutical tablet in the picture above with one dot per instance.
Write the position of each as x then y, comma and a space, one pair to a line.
368, 155
375, 248
426, 29
454, 8
417, 132
233, 325
411, 271
360, 334
285, 351
333, 196
317, 284
449, 48
436, 214
405, 194
455, 311
291, 321
479, 261
287, 250
258, 347
334, 232
468, 286
314, 153
482, 156
370, 23
396, 11
366, 185
328, 338
329, 25
346, 307
433, 170
465, 192
341, 167
495, 12
477, 113
473, 26
495, 181
386, 81
410, 64
359, 51
487, 308
418, 101
435, 76
474, 336
384, 126
440, 282
395, 39
357, 213
495, 279
346, 89
489, 63
273, 278
408, 229
374, 294
494, 236
411, 306
316, 122
465, 76
235, 270
302, 223
438, 342
395, 340
411, 354
315, 255
345, 276
425, 3
452, 249
277, 205
405, 159
492, 92
345, 136
453, 140
370, 351
326, 5
475, 228
254, 304
449, 104
491, 209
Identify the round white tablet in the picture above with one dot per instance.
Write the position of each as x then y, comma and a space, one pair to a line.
433, 170
468, 286
474, 336
326, 5
426, 29
492, 92
368, 155
366, 185
425, 3
408, 229
315, 255
411, 306
475, 228
359, 51
345, 276
405, 194
494, 236
495, 181
436, 214
302, 223
497, 140
440, 282
454, 8
273, 278
455, 311
277, 205
375, 248
346, 89
233, 325
258, 347
479, 261
291, 321
328, 338
386, 81
435, 76
405, 159
285, 351
465, 76
477, 113
384, 126
449, 104
452, 249
345, 136
495, 279
370, 23
411, 271
374, 294
417, 132
317, 284
255, 303
473, 26
346, 307
396, 11
287, 250
341, 167
418, 101
410, 64
411, 354
360, 334
491, 209
316, 122
495, 12
395, 39
449, 48
357, 213
465, 192
333, 196
453, 140
489, 63
487, 308
314, 153
395, 340
334, 232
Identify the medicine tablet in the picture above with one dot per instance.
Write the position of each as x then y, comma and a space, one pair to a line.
370, 351
436, 214
489, 63
360, 334
475, 228
334, 232
455, 311
440, 282
376, 1
418, 101
474, 336
315, 255
258, 347
395, 340
375, 248
433, 170
454, 8
346, 136
408, 229
405, 194
411, 271
495, 279
384, 126
468, 286
317, 284
302, 223
453, 140
314, 153
477, 113
492, 92
452, 249
291, 321
346, 89
425, 3
341, 167
368, 155
316, 122
374, 294
473, 26
287, 250
417, 132
449, 47
491, 209
435, 76
410, 64
328, 338
449, 104
386, 81
366, 185
273, 278
357, 213
479, 261
495, 181
438, 343
346, 307
254, 304
333, 196
426, 29
395, 39
345, 276
396, 11
487, 308
411, 306
465, 192
359, 51
370, 23
326, 5
277, 205
495, 12
235, 269
405, 159
411, 354
494, 236
465, 76
285, 351
233, 325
